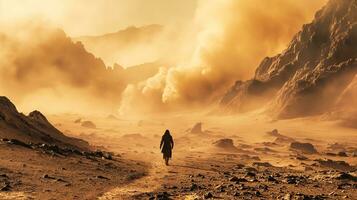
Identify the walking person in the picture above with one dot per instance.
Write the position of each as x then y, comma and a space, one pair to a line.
166, 146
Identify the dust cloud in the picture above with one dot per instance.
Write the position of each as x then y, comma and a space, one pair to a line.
230, 39
41, 66
225, 42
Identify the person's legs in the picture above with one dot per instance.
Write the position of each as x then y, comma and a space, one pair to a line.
166, 161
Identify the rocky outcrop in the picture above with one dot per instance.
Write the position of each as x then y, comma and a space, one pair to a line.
308, 77
303, 147
88, 124
34, 128
225, 144
197, 128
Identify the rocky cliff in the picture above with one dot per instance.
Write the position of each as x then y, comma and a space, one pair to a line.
33, 128
309, 76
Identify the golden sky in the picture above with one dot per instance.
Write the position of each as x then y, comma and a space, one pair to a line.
91, 17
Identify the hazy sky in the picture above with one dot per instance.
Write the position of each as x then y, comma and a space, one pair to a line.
88, 17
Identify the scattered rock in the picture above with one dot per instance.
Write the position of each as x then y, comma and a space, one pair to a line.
336, 147
303, 147
262, 164
247, 157
46, 176
226, 144
18, 142
291, 179
88, 124
339, 165
263, 149
193, 187
208, 195
250, 169
102, 177
342, 154
78, 121
6, 187
250, 174
271, 179
331, 154
61, 180
346, 176
279, 137
307, 168
301, 157
237, 180
197, 128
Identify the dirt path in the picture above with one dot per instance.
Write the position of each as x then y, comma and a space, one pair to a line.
143, 185
16, 196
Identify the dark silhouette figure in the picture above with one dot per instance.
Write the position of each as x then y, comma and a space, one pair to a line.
166, 146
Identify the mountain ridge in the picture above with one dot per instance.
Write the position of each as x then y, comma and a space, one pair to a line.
319, 63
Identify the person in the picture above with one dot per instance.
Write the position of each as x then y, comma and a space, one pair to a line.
166, 146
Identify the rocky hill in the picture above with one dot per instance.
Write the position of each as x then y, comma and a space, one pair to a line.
34, 128
308, 77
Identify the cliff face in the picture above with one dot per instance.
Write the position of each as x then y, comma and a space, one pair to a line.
310, 75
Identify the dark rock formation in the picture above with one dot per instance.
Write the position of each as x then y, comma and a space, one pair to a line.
339, 165
225, 144
34, 128
308, 77
303, 147
88, 124
279, 137
197, 128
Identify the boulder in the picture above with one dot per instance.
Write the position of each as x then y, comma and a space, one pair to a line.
279, 137
88, 124
262, 164
197, 128
339, 165
225, 144
303, 147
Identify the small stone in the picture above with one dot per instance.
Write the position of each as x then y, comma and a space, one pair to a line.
271, 179
6, 187
193, 187
262, 164
46, 176
342, 154
102, 177
250, 174
208, 195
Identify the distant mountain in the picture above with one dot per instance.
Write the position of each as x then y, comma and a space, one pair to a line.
44, 64
33, 128
43, 61
308, 77
131, 46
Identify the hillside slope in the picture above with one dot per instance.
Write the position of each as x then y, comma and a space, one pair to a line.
34, 128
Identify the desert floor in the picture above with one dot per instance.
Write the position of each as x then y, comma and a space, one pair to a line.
258, 166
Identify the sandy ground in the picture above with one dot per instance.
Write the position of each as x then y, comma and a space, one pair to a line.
30, 174
200, 169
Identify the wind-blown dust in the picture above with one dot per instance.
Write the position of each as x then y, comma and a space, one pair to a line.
225, 42
41, 64
232, 38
